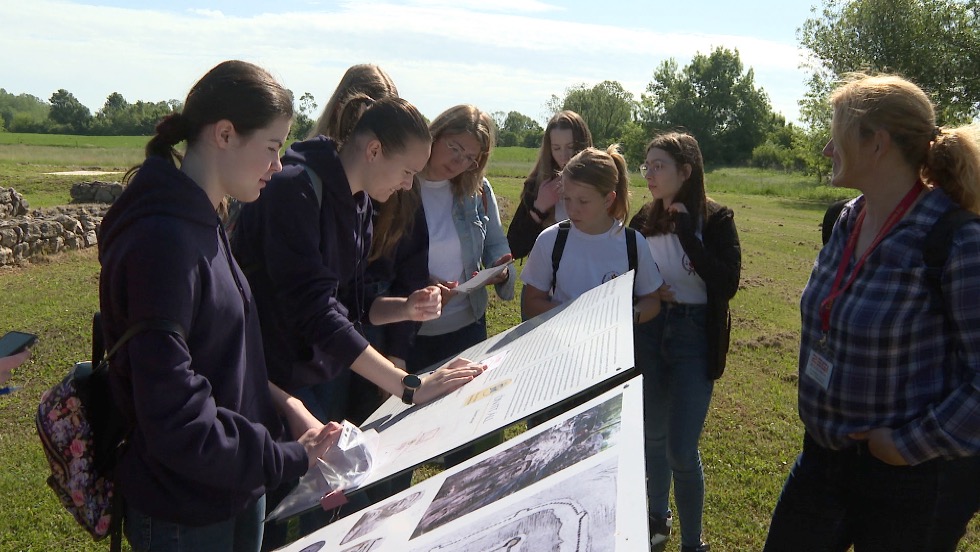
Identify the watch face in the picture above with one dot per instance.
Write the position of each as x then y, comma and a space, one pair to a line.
412, 381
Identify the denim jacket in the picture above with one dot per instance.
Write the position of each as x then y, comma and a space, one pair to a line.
482, 241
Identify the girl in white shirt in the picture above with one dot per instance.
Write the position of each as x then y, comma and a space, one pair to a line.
595, 187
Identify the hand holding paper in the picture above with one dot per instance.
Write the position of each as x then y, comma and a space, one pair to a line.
424, 304
496, 274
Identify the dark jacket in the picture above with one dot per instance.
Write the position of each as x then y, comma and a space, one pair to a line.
399, 275
718, 261
200, 451
523, 231
305, 263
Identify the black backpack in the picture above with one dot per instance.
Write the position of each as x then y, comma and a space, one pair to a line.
935, 248
563, 228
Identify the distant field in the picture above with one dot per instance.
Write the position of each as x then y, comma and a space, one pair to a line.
71, 141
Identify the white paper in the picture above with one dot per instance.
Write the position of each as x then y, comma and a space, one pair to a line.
531, 367
481, 278
587, 342
572, 484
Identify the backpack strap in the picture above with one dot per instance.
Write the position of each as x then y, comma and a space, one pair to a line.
938, 242
830, 218
315, 182
631, 239
98, 352
563, 228
151, 324
98, 339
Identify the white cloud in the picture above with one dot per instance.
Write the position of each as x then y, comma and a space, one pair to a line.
512, 56
206, 13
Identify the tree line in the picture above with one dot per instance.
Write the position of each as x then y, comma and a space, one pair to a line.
935, 43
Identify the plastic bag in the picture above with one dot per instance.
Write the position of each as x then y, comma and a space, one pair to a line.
343, 467
346, 465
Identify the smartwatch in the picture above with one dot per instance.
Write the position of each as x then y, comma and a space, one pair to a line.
411, 383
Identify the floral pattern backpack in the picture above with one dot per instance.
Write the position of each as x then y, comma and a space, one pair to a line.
82, 433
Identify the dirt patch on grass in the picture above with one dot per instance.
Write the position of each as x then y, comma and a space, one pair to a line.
83, 173
778, 340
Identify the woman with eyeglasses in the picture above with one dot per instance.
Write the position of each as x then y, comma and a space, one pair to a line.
682, 351
565, 135
303, 247
465, 233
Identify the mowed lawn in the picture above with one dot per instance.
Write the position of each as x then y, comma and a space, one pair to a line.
752, 434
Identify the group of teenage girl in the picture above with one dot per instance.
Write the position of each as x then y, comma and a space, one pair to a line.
333, 287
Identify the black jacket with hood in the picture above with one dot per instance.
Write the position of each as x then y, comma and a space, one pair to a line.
305, 260
204, 445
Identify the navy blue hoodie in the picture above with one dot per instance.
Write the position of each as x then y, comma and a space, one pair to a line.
305, 263
201, 450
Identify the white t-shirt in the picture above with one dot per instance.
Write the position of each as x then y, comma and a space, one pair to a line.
677, 270
560, 212
588, 261
445, 251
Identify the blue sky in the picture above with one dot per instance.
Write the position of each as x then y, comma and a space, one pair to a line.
501, 56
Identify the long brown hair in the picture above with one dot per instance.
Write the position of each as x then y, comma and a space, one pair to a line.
358, 89
470, 120
365, 78
545, 167
684, 150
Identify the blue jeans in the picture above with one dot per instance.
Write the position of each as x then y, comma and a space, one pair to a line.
671, 353
241, 533
833, 499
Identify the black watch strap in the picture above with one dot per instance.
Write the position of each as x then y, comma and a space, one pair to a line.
410, 384
540, 214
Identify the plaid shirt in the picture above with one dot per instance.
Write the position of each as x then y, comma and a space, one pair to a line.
895, 365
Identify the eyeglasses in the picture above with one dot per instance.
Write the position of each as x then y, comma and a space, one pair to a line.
459, 156
655, 167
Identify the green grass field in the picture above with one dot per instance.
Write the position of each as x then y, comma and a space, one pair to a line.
752, 434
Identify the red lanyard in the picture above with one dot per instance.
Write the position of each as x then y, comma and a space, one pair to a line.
836, 290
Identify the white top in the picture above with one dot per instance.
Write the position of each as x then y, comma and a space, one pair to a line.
560, 212
588, 261
445, 251
677, 269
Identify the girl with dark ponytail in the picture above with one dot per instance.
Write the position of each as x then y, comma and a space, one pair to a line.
304, 247
206, 441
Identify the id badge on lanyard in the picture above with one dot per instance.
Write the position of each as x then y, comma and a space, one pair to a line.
819, 368
818, 365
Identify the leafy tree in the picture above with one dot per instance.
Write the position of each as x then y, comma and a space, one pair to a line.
934, 43
498, 122
32, 108
305, 117
715, 100
606, 107
633, 141
518, 129
24, 122
68, 112
121, 118
114, 104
